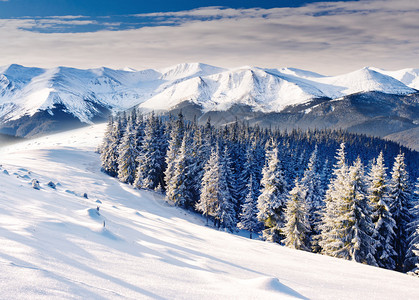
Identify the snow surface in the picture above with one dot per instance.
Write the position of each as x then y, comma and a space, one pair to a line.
25, 91
54, 245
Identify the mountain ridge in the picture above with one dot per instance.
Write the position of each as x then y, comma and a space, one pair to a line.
85, 96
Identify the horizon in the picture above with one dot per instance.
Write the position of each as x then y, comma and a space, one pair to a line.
130, 69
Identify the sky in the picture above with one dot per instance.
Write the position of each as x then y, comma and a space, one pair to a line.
330, 37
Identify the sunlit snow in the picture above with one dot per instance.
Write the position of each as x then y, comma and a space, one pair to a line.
55, 243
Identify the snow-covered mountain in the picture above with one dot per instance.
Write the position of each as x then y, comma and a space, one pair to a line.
409, 77
53, 97
54, 244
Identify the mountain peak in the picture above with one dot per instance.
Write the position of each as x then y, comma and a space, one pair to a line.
367, 79
185, 70
25, 91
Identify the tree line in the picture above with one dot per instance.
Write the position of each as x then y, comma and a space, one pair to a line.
324, 191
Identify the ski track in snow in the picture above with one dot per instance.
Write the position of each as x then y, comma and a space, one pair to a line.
54, 245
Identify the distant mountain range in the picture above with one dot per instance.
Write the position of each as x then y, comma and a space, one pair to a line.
34, 101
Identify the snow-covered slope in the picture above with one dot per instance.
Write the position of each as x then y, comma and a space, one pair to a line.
54, 245
409, 77
364, 80
26, 91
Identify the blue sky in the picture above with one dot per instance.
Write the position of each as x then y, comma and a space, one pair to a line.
119, 15
20, 8
328, 37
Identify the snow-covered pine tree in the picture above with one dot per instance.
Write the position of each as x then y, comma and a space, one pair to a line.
311, 183
109, 149
215, 199
412, 259
226, 203
176, 137
347, 230
149, 159
208, 201
297, 227
139, 130
331, 234
231, 178
400, 205
380, 214
271, 202
179, 191
127, 154
412, 255
162, 144
248, 215
200, 152
359, 242
255, 160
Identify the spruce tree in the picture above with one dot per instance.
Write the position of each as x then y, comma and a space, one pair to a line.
297, 227
248, 216
215, 198
271, 202
412, 256
226, 203
208, 201
179, 191
347, 230
149, 160
109, 149
400, 194
199, 155
380, 214
331, 233
127, 154
176, 137
311, 183
360, 242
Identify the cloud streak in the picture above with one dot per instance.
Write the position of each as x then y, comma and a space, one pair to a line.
329, 38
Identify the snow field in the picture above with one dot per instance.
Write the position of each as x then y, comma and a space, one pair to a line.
54, 245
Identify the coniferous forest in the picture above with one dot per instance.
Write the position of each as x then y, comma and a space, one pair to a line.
331, 192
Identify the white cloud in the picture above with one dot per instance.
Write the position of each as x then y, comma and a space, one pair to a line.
329, 38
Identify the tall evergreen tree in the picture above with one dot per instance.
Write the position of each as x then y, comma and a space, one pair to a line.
399, 194
200, 152
149, 160
209, 192
271, 202
127, 154
297, 227
176, 137
412, 260
361, 245
331, 234
226, 203
380, 214
311, 183
215, 198
347, 229
109, 149
180, 189
248, 215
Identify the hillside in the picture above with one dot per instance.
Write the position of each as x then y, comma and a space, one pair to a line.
54, 244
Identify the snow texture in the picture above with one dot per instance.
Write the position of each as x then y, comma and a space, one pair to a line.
57, 245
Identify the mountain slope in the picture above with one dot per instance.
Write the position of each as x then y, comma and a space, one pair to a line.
409, 77
35, 101
54, 244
